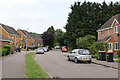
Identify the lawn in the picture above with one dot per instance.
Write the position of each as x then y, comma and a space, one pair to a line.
33, 70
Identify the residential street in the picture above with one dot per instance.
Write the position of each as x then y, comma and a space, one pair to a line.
56, 64
13, 66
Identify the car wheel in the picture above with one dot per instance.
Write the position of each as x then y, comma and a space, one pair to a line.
76, 60
89, 61
68, 58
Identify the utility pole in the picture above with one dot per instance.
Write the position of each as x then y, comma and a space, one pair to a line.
26, 39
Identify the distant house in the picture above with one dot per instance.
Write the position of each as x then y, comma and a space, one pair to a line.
10, 33
110, 32
4, 41
25, 34
38, 39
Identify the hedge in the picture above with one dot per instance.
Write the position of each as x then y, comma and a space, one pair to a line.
9, 49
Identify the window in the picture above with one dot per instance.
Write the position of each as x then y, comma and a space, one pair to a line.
12, 36
102, 33
116, 46
17, 37
21, 37
116, 29
110, 47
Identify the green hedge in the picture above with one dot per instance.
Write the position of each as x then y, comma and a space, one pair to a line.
8, 48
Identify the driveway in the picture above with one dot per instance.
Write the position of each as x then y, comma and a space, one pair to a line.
13, 66
56, 64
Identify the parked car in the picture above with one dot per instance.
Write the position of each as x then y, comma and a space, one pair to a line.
45, 49
80, 55
40, 50
57, 47
64, 49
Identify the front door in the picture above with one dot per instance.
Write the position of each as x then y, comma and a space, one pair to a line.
110, 47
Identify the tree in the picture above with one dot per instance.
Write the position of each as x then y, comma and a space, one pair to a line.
85, 19
85, 42
60, 37
51, 30
48, 39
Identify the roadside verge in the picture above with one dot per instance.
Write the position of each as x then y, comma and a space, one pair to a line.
32, 68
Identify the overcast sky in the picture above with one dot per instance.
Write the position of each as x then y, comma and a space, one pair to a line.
37, 15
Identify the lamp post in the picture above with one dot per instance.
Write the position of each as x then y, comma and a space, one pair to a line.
26, 40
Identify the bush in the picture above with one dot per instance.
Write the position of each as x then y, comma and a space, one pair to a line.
119, 53
35, 47
85, 42
9, 49
4, 51
0, 52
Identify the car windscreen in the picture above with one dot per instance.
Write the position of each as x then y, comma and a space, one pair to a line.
84, 52
40, 48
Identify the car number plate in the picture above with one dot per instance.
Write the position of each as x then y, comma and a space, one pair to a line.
85, 58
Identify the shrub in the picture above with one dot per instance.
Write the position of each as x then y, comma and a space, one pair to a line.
9, 49
85, 42
0, 52
119, 53
4, 51
35, 47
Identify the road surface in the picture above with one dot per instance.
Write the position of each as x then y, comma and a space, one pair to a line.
56, 64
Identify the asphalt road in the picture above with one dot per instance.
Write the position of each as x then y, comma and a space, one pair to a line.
56, 64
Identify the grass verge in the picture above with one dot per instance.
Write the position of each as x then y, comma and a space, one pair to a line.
33, 70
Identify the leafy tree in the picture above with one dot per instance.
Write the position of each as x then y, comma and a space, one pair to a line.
48, 39
85, 19
85, 42
60, 37
51, 30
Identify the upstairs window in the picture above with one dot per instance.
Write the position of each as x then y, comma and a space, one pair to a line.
12, 36
21, 37
102, 33
116, 29
116, 46
17, 37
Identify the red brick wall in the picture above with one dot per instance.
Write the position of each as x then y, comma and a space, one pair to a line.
114, 38
2, 43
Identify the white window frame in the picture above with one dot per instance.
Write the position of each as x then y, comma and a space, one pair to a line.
102, 33
110, 49
116, 29
21, 37
116, 48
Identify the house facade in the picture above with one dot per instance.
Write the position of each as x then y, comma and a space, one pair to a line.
38, 39
4, 41
10, 33
110, 32
25, 35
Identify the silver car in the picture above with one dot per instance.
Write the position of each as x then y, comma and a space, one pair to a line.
79, 55
40, 50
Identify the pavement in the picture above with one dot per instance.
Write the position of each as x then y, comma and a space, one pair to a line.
13, 66
105, 63
56, 64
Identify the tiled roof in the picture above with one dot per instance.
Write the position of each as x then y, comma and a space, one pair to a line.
9, 29
36, 36
22, 41
24, 32
104, 39
110, 21
3, 38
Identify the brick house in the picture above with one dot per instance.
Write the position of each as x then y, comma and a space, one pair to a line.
110, 32
25, 34
10, 33
38, 39
4, 41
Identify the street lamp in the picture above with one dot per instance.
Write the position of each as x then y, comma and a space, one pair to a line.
26, 40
